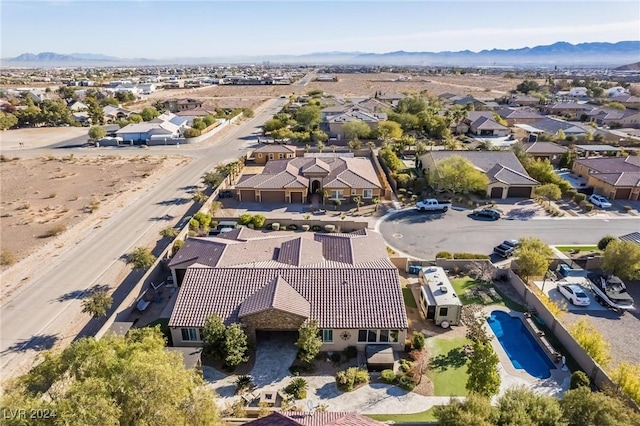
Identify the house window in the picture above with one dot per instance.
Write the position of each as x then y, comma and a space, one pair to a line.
337, 194
190, 335
270, 156
326, 335
384, 336
367, 336
367, 193
389, 336
354, 192
280, 156
443, 312
394, 336
259, 155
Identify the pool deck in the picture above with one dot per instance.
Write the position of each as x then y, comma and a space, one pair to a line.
555, 385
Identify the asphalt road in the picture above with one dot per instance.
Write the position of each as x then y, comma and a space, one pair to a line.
422, 235
39, 314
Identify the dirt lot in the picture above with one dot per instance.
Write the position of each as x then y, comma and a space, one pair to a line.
44, 197
36, 138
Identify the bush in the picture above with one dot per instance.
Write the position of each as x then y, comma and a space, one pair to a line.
444, 255
7, 258
258, 221
588, 207
191, 133
387, 376
275, 226
346, 380
336, 357
604, 241
579, 197
350, 352
580, 378
329, 228
470, 256
176, 246
297, 387
627, 208
570, 193
405, 365
243, 383
292, 227
316, 228
301, 367
245, 219
417, 341
305, 228
54, 231
406, 382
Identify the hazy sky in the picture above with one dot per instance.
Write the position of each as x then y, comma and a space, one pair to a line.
168, 29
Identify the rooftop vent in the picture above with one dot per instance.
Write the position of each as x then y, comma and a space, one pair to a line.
443, 289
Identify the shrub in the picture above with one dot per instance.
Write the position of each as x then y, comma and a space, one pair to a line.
346, 380
305, 228
245, 219
297, 387
405, 365
387, 376
350, 352
570, 193
588, 207
329, 228
336, 357
470, 256
417, 341
258, 221
176, 246
301, 367
316, 228
579, 197
191, 133
292, 227
627, 208
275, 226
54, 231
580, 378
604, 241
406, 382
444, 255
283, 227
7, 258
243, 383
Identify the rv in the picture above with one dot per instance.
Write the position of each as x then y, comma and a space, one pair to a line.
438, 301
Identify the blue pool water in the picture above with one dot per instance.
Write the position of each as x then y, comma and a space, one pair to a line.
521, 347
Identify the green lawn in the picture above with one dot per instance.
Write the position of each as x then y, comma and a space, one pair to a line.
567, 249
424, 416
409, 300
448, 366
461, 285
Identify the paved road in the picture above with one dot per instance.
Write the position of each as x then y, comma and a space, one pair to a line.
422, 235
38, 314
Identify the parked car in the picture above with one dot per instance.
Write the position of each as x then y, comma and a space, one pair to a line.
506, 248
599, 201
490, 214
184, 222
431, 204
574, 294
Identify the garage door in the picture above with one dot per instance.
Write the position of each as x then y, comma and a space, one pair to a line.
247, 195
296, 197
272, 196
623, 193
519, 192
496, 192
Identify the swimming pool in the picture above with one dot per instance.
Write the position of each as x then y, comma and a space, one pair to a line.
521, 347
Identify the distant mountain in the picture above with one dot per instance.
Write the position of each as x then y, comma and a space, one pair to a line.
629, 67
557, 54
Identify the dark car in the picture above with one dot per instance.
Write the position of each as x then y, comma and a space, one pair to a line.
490, 214
506, 249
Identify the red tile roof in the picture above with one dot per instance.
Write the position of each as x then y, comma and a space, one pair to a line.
278, 294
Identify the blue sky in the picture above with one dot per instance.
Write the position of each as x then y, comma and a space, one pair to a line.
169, 29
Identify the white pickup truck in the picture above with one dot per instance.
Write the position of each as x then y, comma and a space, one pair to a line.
431, 204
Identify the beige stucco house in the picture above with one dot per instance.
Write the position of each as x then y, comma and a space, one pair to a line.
617, 178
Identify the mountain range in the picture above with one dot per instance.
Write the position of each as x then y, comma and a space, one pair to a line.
560, 53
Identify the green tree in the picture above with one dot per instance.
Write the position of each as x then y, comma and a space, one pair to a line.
169, 232
411, 105
199, 197
622, 258
7, 120
149, 113
391, 159
97, 304
604, 242
141, 258
54, 113
581, 407
534, 257
482, 369
203, 219
627, 376
29, 116
115, 380
358, 202
550, 192
308, 117
97, 133
356, 130
213, 337
528, 86
273, 124
235, 346
408, 122
354, 144
519, 406
458, 175
592, 341
212, 178
309, 341
615, 105
135, 118
124, 97
389, 130
474, 410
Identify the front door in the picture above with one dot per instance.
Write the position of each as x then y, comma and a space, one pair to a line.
315, 186
431, 312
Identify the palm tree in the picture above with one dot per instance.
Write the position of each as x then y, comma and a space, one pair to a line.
376, 202
358, 202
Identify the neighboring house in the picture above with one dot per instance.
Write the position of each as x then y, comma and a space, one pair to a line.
293, 181
390, 98
81, 117
168, 117
333, 111
507, 176
488, 127
568, 109
314, 419
545, 151
616, 178
147, 88
524, 100
273, 152
77, 106
373, 105
612, 116
336, 123
326, 77
274, 281
196, 112
144, 132
616, 91
177, 105
552, 126
578, 92
515, 116
115, 113
597, 150
628, 101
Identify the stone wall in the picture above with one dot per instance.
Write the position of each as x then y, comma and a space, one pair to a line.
273, 320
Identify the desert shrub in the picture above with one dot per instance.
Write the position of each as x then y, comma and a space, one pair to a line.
388, 376
578, 379
191, 133
245, 219
54, 231
604, 241
316, 228
405, 365
588, 207
283, 227
297, 388
444, 255
7, 258
243, 383
470, 256
258, 221
570, 193
579, 197
627, 208
176, 246
346, 380
292, 227
301, 367
350, 352
418, 341
415, 355
406, 382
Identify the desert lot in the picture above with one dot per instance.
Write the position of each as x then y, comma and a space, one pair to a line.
38, 137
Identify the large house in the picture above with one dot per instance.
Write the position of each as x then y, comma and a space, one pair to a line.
273, 152
507, 176
274, 281
612, 116
292, 181
480, 123
518, 115
545, 151
167, 126
177, 105
616, 178
336, 122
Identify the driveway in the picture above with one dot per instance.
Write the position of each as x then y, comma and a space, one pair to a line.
422, 235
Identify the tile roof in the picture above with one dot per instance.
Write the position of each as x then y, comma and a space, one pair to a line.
276, 148
352, 285
619, 179
544, 148
316, 419
634, 237
553, 126
513, 113
611, 164
278, 294
484, 123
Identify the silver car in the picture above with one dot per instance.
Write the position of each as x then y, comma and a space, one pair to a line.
575, 294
